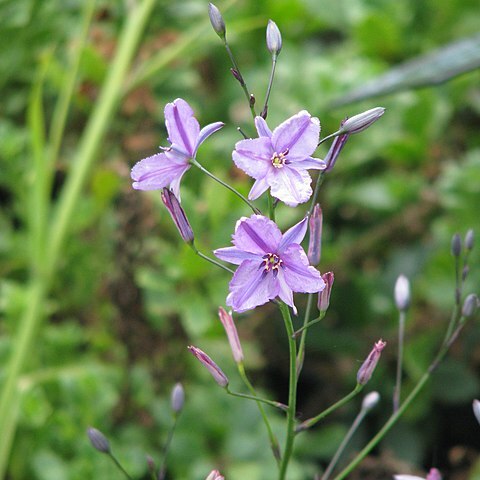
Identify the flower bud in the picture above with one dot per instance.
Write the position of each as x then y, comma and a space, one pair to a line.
335, 148
315, 241
363, 120
476, 409
366, 370
456, 245
434, 474
98, 440
370, 401
178, 215
402, 293
232, 334
469, 239
177, 398
470, 305
324, 295
210, 365
216, 20
215, 475
274, 39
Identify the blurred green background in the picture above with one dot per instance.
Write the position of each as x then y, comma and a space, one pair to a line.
127, 297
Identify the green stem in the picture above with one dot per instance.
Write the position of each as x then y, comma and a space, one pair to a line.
166, 448
269, 88
398, 383
211, 260
226, 185
308, 325
119, 466
303, 330
253, 397
292, 392
328, 137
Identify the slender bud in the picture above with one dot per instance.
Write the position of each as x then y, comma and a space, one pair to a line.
315, 241
370, 401
215, 475
363, 120
476, 409
274, 39
366, 370
232, 334
434, 474
210, 365
470, 305
456, 245
178, 215
402, 293
335, 148
324, 295
469, 239
216, 20
98, 440
177, 398
238, 76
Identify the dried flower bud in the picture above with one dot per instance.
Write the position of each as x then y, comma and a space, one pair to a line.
238, 76
216, 20
178, 215
215, 475
210, 365
366, 370
98, 440
274, 39
370, 400
335, 148
456, 246
470, 305
434, 474
315, 241
324, 295
232, 334
402, 293
469, 239
476, 409
363, 120
177, 398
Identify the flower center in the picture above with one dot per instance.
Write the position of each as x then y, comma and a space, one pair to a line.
279, 159
271, 263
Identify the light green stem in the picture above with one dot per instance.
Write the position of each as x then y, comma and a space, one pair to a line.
398, 383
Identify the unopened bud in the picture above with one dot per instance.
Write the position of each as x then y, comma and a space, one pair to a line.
470, 305
315, 240
366, 370
232, 334
363, 120
216, 20
402, 293
178, 215
324, 295
98, 440
274, 38
456, 245
434, 474
215, 475
252, 100
210, 365
177, 398
370, 401
237, 76
476, 409
335, 148
469, 239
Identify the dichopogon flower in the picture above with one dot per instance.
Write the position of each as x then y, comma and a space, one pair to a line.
270, 264
279, 160
167, 168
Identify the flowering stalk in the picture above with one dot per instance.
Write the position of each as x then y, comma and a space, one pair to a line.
274, 45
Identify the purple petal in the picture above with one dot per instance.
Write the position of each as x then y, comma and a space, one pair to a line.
183, 128
284, 291
299, 135
251, 287
260, 186
262, 127
257, 234
158, 171
310, 163
235, 255
205, 132
289, 185
299, 275
294, 235
253, 156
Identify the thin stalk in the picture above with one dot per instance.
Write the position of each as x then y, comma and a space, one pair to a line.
166, 448
254, 398
398, 383
211, 260
292, 392
226, 185
314, 420
269, 88
303, 338
119, 466
271, 436
328, 137
271, 207
309, 324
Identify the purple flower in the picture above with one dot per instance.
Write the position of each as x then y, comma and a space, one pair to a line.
270, 264
184, 134
279, 160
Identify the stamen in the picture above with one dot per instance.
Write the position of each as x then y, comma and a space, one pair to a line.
271, 262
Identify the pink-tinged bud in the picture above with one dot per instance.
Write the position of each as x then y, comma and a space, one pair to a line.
366, 370
215, 475
335, 148
315, 242
210, 365
177, 398
274, 38
324, 295
98, 440
370, 401
216, 20
232, 334
434, 474
363, 120
178, 215
470, 305
402, 293
476, 409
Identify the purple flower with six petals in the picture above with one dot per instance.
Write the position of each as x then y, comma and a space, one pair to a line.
279, 160
270, 264
167, 168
